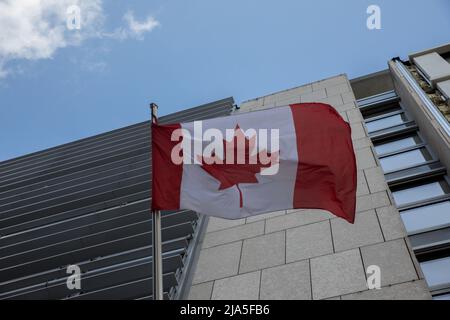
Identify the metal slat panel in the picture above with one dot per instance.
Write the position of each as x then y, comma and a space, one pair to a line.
62, 149
76, 212
80, 152
111, 261
87, 203
53, 190
74, 233
103, 220
75, 190
56, 169
109, 242
71, 194
62, 170
60, 225
82, 175
19, 217
131, 290
93, 281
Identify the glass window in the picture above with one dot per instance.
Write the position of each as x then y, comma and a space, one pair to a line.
442, 297
405, 159
420, 192
431, 216
437, 272
430, 238
446, 56
413, 171
379, 111
396, 145
386, 122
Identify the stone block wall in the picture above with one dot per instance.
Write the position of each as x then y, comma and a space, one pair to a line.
310, 254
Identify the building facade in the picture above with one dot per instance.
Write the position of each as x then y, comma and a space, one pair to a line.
400, 131
87, 204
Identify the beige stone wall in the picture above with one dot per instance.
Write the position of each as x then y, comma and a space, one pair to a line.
310, 254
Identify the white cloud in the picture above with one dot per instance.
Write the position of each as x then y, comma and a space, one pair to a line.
36, 29
137, 28
133, 29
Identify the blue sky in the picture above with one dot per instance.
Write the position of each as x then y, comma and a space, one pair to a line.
200, 51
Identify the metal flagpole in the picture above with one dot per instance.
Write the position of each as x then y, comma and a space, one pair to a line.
156, 237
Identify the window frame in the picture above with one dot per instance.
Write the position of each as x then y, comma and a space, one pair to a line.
424, 146
384, 105
424, 204
439, 170
388, 115
397, 138
435, 255
418, 182
406, 127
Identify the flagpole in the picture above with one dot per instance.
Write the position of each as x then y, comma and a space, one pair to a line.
156, 237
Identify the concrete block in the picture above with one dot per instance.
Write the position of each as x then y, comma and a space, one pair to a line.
286, 96
273, 98
245, 106
330, 82
361, 188
375, 179
365, 159
313, 96
338, 89
263, 252
287, 101
348, 97
334, 101
354, 115
444, 88
337, 274
264, 216
345, 106
287, 282
372, 201
241, 287
394, 260
201, 291
301, 90
364, 231
215, 224
433, 66
233, 234
296, 218
391, 223
308, 241
344, 116
358, 131
218, 262
269, 100
361, 143
417, 290
265, 106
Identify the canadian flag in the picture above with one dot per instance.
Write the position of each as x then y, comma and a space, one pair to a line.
296, 156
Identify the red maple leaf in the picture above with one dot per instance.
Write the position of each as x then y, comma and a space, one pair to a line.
231, 174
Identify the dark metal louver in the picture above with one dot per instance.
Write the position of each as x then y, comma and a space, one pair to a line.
87, 203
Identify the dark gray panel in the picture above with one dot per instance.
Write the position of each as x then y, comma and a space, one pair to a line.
87, 203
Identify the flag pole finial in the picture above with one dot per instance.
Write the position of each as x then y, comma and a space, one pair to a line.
154, 111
